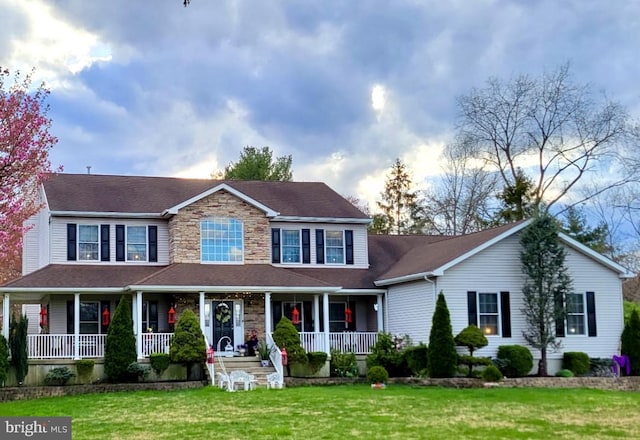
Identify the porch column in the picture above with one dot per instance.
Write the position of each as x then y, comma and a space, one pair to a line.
325, 322
201, 308
76, 326
138, 323
379, 313
267, 312
316, 313
5, 316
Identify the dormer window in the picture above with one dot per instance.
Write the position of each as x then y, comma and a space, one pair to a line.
221, 240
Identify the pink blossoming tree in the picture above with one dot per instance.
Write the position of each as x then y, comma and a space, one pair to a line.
25, 143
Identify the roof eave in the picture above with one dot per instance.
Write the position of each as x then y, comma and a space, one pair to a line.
102, 214
298, 219
227, 289
405, 278
61, 289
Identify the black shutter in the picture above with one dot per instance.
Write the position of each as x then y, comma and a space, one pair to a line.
307, 316
153, 244
348, 246
104, 243
591, 314
275, 245
559, 307
104, 305
70, 318
153, 315
276, 314
306, 246
320, 246
505, 308
472, 308
71, 242
119, 242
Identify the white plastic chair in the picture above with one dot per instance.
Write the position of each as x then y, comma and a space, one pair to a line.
274, 380
224, 381
242, 378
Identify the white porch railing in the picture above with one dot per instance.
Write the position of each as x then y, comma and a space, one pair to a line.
155, 343
356, 342
63, 346
276, 356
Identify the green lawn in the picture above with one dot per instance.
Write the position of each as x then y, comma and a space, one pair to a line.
357, 411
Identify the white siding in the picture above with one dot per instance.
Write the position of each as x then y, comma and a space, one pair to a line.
497, 269
360, 246
410, 310
59, 238
35, 245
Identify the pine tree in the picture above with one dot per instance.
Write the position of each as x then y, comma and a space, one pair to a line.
547, 284
187, 344
401, 212
443, 359
120, 347
4, 360
18, 346
631, 342
472, 338
286, 336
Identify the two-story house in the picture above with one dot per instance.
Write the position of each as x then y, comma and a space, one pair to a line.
243, 254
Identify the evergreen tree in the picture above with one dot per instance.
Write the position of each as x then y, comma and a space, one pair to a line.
472, 338
575, 226
4, 360
399, 205
187, 344
631, 341
443, 359
517, 199
547, 284
286, 336
258, 164
120, 347
18, 346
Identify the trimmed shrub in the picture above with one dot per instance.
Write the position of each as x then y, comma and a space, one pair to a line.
443, 359
316, 360
386, 353
159, 362
4, 360
187, 343
120, 347
377, 374
514, 360
471, 338
84, 367
343, 364
58, 376
601, 367
576, 361
565, 373
491, 374
631, 341
416, 359
287, 336
18, 347
138, 372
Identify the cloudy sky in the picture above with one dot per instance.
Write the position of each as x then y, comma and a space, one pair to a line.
345, 87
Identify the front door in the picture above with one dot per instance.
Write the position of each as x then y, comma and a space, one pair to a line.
227, 325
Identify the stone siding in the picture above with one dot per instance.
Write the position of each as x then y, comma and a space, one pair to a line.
184, 228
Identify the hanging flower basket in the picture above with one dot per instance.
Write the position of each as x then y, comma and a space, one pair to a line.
223, 313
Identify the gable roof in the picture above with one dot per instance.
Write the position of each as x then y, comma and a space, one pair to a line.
141, 195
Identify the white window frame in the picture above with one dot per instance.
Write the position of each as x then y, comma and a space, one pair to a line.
570, 331
283, 246
146, 243
497, 314
83, 254
327, 247
209, 234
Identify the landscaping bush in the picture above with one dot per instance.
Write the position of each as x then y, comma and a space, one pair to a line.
316, 360
18, 347
565, 373
471, 338
4, 360
287, 336
631, 341
377, 374
187, 343
601, 367
514, 360
58, 376
138, 372
416, 358
386, 352
84, 367
469, 362
159, 362
491, 374
120, 347
443, 358
343, 364
576, 361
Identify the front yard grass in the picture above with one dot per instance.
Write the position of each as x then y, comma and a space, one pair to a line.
350, 411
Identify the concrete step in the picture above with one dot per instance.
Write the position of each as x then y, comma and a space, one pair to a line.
249, 364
